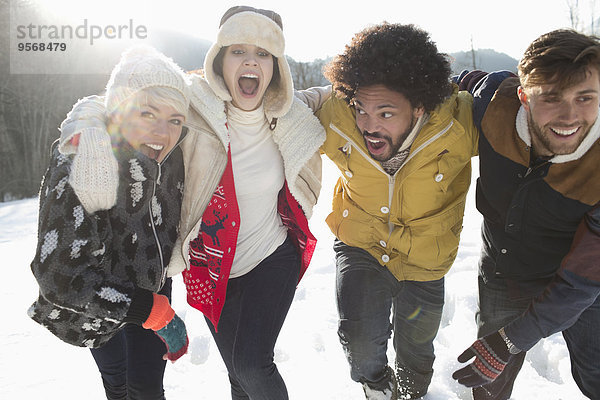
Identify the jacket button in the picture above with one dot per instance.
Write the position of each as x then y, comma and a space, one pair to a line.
233, 223
439, 177
385, 258
385, 210
345, 213
349, 174
503, 251
382, 243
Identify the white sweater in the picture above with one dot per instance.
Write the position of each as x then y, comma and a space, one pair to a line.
259, 176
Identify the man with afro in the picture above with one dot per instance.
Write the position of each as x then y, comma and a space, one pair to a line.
403, 137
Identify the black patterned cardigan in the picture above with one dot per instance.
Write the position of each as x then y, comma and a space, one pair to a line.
98, 271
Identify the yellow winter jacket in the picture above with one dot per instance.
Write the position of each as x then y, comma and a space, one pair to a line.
410, 222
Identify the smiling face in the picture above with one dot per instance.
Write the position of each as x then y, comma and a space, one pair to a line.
559, 120
247, 72
385, 118
151, 128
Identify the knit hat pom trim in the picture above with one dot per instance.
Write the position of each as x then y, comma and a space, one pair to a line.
139, 68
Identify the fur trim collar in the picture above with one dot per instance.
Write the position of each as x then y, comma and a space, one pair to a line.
299, 135
204, 101
522, 126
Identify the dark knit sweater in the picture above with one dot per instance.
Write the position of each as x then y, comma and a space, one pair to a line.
97, 272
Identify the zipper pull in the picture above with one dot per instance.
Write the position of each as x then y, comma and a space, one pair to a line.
347, 149
273, 124
159, 174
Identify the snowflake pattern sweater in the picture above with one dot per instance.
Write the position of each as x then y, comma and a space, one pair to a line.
97, 272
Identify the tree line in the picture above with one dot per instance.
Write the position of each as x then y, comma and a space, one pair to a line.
33, 106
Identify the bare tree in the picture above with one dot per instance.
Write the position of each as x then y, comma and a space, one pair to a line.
31, 109
307, 74
578, 16
473, 54
574, 11
593, 17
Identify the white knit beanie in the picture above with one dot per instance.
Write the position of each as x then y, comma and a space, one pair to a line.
142, 67
261, 28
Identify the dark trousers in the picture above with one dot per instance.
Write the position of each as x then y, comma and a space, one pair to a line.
496, 310
131, 363
255, 308
366, 293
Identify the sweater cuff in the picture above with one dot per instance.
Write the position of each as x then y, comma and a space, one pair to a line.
140, 307
523, 334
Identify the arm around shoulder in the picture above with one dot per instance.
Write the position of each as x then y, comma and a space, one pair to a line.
314, 97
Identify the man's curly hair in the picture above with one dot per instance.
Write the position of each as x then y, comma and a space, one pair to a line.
401, 57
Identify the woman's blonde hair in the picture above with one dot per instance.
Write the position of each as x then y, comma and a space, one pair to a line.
164, 95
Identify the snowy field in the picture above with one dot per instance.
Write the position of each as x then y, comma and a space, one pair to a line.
36, 365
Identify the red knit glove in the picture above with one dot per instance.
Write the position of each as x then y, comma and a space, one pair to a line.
491, 355
168, 326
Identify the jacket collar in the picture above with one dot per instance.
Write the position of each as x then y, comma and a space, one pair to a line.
522, 126
440, 117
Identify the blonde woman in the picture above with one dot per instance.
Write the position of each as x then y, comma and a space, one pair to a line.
102, 272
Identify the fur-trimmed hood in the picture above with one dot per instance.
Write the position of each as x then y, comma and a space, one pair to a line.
250, 27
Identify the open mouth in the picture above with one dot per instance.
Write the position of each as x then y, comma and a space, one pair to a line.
374, 144
564, 132
152, 150
248, 84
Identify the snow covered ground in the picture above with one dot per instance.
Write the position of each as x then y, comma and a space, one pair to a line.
36, 365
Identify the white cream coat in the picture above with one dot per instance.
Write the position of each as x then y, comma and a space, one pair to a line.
298, 136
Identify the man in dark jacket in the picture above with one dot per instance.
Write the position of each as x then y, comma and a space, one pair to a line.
539, 193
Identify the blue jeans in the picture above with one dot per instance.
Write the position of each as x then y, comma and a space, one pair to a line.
366, 293
131, 363
496, 309
255, 308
